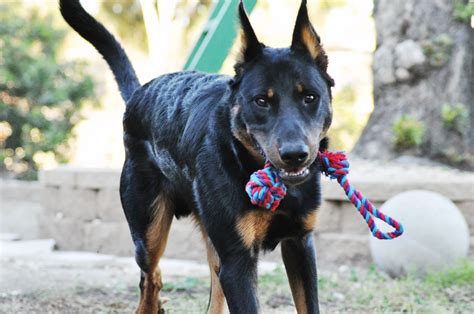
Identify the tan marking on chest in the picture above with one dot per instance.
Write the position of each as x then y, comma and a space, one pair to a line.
253, 226
310, 220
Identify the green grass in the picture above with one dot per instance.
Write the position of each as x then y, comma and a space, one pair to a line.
462, 274
354, 290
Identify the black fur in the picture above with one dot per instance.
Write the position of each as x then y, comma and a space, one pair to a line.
104, 42
196, 138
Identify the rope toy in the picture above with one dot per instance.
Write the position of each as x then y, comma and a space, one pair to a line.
266, 189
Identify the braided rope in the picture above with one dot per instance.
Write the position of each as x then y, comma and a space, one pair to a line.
266, 189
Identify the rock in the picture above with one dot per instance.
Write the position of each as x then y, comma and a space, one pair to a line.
436, 234
383, 65
409, 54
109, 206
402, 74
22, 248
9, 236
108, 238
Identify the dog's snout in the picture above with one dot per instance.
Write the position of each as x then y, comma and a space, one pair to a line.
294, 154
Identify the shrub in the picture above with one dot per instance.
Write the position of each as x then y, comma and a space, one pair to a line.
40, 97
345, 128
408, 132
463, 10
455, 117
438, 50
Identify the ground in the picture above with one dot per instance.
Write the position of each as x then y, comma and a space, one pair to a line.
37, 279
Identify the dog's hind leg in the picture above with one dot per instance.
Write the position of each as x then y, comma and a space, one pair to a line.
216, 296
156, 238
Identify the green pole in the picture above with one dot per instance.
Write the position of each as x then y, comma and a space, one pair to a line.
217, 38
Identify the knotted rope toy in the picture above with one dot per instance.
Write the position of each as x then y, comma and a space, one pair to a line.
266, 189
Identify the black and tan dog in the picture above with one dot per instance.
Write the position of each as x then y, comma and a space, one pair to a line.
193, 139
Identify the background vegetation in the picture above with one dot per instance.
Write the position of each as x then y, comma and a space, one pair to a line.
40, 95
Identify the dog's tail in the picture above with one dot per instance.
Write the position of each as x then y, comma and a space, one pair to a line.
95, 33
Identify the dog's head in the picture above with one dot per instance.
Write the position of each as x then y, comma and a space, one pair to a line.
282, 107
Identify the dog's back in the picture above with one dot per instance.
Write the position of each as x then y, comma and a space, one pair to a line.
193, 139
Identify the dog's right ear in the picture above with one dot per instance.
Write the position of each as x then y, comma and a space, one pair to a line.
250, 46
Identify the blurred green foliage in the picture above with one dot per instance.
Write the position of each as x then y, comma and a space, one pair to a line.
455, 117
463, 10
40, 97
408, 132
126, 17
345, 128
438, 50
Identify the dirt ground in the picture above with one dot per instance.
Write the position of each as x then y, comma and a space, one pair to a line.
37, 279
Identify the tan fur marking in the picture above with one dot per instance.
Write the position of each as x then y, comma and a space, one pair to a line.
243, 137
156, 238
253, 226
239, 58
217, 298
297, 291
310, 220
299, 88
270, 93
311, 42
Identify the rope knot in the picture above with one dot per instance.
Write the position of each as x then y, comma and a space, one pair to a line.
265, 188
334, 164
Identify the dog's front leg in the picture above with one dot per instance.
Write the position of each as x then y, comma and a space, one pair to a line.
300, 263
238, 276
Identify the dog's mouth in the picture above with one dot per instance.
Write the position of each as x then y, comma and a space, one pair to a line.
295, 175
292, 176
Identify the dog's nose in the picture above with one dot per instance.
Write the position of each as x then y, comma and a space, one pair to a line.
294, 154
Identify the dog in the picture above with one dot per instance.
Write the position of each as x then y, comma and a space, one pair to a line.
193, 139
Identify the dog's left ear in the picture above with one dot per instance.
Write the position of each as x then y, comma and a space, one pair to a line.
250, 46
304, 35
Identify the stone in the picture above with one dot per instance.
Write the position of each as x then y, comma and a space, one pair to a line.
351, 220
63, 176
329, 217
68, 233
185, 241
342, 249
20, 190
402, 74
108, 238
467, 209
383, 65
78, 204
98, 178
24, 248
109, 207
21, 218
436, 235
409, 54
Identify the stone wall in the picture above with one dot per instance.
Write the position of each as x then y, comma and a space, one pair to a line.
82, 210
20, 209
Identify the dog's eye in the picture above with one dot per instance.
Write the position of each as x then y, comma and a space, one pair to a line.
261, 101
310, 98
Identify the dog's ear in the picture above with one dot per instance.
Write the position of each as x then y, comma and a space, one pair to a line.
306, 39
304, 35
250, 46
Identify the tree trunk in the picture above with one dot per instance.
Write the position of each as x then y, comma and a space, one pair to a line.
423, 71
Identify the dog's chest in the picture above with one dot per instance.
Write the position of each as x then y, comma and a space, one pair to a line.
263, 228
